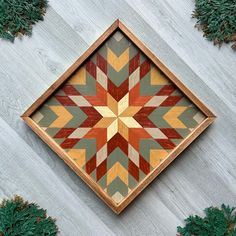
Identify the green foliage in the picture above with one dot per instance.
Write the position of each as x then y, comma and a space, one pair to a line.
18, 16
217, 19
20, 218
217, 222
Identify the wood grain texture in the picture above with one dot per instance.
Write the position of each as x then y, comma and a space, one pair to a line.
203, 175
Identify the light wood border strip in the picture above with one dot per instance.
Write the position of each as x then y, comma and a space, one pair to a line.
117, 208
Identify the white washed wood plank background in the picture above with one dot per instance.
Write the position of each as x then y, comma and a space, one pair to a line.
204, 175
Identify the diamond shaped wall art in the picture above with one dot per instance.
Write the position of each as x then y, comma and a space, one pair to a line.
118, 117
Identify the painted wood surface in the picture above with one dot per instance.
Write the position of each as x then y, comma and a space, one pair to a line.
203, 175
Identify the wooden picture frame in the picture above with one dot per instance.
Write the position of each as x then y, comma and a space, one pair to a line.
118, 207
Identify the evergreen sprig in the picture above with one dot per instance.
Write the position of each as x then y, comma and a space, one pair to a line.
18, 16
217, 222
18, 218
217, 19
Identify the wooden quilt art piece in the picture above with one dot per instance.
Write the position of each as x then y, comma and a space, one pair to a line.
118, 117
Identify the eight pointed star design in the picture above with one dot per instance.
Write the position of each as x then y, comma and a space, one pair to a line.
117, 117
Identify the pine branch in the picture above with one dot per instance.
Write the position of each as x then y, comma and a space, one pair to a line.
18, 217
217, 19
217, 222
18, 16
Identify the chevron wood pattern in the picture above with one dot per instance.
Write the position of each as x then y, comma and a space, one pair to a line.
118, 117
